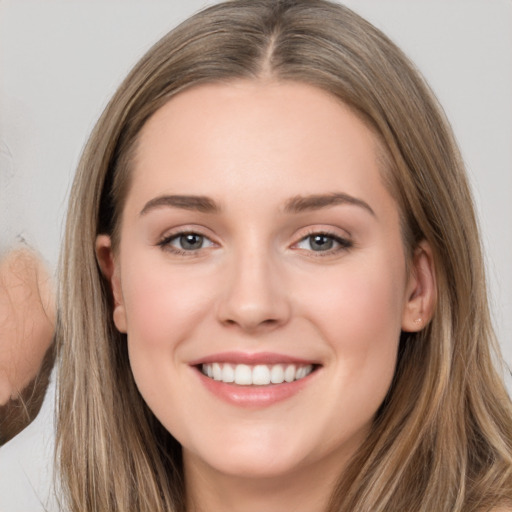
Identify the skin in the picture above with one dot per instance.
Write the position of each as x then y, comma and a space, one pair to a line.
258, 285
27, 322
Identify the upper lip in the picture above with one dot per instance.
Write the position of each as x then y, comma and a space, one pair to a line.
251, 358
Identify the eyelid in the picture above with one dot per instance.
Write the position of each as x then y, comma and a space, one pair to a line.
180, 235
344, 242
164, 242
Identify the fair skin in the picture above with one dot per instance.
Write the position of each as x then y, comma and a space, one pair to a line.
294, 259
27, 320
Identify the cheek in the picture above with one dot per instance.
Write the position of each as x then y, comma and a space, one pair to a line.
358, 310
365, 297
162, 306
163, 309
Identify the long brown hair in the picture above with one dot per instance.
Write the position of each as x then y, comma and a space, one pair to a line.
442, 440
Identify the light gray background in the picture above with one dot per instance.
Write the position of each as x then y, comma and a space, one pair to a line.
60, 61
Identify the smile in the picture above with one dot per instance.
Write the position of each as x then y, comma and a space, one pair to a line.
255, 375
255, 380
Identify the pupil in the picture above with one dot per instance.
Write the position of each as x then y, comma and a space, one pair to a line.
321, 242
191, 241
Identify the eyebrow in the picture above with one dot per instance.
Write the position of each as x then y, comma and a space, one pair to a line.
196, 203
297, 204
300, 204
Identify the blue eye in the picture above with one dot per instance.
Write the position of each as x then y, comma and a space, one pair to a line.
323, 242
186, 242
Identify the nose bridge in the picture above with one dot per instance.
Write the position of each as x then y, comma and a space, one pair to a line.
254, 296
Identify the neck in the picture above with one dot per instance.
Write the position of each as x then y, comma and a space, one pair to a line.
306, 490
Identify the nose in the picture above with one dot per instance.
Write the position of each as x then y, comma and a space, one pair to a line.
254, 296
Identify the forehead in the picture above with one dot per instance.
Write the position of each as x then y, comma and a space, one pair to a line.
249, 136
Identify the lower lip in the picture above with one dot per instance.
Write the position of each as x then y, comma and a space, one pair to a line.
255, 396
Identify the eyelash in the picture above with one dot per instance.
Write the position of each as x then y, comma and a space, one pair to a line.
342, 243
165, 243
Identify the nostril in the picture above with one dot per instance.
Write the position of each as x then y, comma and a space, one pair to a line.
252, 324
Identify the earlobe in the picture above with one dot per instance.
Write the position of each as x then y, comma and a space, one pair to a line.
421, 291
110, 270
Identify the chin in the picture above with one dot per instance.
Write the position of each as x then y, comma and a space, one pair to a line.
251, 458
256, 469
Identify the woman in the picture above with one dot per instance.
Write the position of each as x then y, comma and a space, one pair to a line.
272, 293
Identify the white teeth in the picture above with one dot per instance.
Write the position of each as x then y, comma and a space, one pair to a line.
243, 375
228, 373
257, 375
217, 371
261, 375
277, 374
289, 373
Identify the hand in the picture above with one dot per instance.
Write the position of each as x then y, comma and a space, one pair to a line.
27, 322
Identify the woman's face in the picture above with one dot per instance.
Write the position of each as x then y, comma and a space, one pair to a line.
261, 277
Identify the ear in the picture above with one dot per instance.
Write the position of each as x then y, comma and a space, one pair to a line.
110, 270
421, 292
